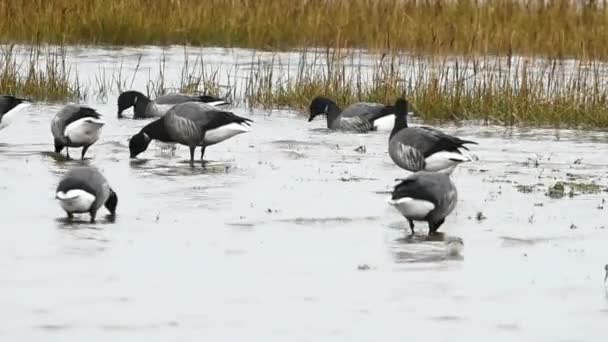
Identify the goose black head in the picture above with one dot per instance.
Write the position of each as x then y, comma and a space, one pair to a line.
10, 103
128, 99
138, 143
322, 106
401, 106
112, 202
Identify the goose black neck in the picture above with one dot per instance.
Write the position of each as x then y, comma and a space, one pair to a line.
156, 130
400, 123
141, 106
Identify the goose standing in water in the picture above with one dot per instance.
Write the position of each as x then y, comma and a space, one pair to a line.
358, 117
9, 106
425, 196
76, 126
423, 148
144, 107
85, 190
192, 125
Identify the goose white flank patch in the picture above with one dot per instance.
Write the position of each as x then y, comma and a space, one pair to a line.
76, 126
222, 133
75, 201
385, 123
84, 130
425, 196
144, 107
444, 160
423, 148
415, 209
192, 125
358, 117
85, 190
9, 107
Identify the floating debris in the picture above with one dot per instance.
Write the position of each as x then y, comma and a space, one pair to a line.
361, 149
560, 189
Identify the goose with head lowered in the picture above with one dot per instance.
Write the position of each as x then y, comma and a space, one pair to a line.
358, 117
423, 148
425, 196
144, 107
9, 106
76, 126
192, 125
85, 190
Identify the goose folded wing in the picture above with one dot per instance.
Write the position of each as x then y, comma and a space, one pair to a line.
417, 187
430, 141
368, 111
174, 99
206, 119
79, 112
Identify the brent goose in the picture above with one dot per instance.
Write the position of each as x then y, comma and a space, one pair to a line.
358, 117
144, 107
85, 190
76, 126
192, 125
9, 105
425, 196
423, 148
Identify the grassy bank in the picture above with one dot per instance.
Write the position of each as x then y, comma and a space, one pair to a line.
552, 28
507, 91
535, 92
42, 75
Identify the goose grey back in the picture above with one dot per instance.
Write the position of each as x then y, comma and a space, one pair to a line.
358, 117
92, 181
434, 187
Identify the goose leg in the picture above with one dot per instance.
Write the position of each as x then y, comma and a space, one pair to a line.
411, 226
67, 153
434, 226
84, 151
93, 214
192, 148
70, 215
202, 153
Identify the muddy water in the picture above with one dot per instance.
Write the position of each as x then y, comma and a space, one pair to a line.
286, 236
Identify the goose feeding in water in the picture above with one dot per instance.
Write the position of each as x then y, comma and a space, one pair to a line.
425, 196
358, 117
423, 148
85, 190
9, 106
76, 126
144, 107
192, 125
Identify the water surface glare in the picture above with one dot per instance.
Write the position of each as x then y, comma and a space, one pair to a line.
286, 236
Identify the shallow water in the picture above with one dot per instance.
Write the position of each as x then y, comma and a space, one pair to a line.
286, 236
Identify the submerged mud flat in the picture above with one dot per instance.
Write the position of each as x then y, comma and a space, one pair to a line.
287, 235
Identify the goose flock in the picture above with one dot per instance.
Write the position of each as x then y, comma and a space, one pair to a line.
428, 194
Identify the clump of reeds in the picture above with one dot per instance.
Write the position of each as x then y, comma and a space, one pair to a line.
508, 91
36, 77
553, 28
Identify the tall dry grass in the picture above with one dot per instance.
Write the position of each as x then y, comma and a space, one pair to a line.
41, 75
507, 91
552, 28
